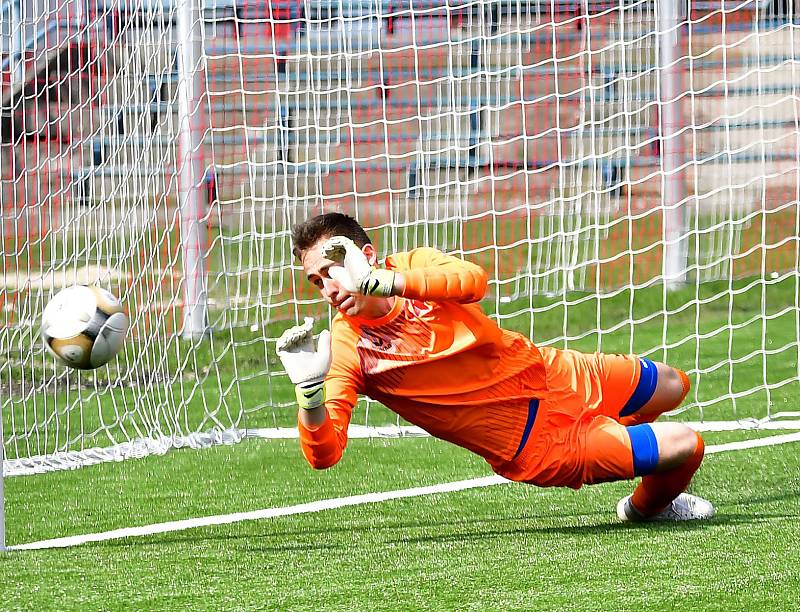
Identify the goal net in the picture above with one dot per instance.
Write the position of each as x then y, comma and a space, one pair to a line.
627, 172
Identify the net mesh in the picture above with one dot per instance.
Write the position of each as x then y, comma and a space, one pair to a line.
534, 138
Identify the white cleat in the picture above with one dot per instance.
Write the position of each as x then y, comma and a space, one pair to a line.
685, 507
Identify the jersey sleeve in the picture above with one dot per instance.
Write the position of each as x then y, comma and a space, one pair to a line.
323, 446
431, 275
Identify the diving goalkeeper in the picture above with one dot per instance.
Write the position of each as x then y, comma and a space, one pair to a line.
411, 336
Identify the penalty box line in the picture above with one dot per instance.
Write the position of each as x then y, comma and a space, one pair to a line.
330, 504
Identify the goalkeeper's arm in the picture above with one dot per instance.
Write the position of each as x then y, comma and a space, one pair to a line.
431, 275
323, 432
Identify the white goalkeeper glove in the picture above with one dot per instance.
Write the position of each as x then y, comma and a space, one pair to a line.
354, 272
305, 365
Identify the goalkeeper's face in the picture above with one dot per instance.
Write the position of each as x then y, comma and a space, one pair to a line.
316, 268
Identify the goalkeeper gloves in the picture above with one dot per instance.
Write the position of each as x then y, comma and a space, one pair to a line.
354, 272
305, 365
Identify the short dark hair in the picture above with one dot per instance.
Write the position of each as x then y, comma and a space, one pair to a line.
305, 235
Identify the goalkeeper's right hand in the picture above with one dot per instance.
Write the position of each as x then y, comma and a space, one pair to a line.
305, 365
354, 272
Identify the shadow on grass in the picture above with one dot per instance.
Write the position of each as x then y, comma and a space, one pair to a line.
350, 527
578, 531
767, 499
606, 528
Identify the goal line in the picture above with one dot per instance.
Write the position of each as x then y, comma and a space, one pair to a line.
143, 447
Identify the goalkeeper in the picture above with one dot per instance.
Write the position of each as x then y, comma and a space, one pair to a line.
411, 336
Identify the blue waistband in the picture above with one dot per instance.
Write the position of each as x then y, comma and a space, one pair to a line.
533, 409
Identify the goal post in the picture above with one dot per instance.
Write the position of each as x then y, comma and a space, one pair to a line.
626, 172
672, 97
193, 127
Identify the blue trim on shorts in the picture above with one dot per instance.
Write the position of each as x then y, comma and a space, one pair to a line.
648, 379
533, 409
645, 449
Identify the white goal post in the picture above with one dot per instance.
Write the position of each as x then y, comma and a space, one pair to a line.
628, 172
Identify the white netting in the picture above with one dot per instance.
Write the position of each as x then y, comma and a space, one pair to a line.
579, 150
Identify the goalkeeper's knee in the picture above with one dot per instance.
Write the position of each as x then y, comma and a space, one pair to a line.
672, 387
676, 387
681, 387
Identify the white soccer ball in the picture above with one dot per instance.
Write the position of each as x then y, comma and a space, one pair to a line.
84, 327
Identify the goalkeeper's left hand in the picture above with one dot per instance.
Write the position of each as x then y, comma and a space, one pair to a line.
354, 272
306, 365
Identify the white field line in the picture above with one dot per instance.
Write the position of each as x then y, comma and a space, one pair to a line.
329, 504
223, 519
744, 444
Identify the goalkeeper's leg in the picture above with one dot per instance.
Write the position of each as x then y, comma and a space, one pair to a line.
623, 394
657, 491
665, 455
627, 388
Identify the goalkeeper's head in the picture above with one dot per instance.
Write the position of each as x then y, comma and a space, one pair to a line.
307, 240
319, 228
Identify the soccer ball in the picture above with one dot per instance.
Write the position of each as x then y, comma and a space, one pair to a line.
84, 327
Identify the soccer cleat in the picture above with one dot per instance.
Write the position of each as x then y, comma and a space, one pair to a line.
685, 507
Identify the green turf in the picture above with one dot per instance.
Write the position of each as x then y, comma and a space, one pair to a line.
502, 547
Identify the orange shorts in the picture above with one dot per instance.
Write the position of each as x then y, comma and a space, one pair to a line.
576, 437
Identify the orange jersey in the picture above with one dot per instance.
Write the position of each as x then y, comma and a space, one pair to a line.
435, 359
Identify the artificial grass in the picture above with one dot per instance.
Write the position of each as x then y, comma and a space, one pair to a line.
509, 546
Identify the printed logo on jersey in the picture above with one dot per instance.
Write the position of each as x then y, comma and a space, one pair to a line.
379, 341
382, 350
